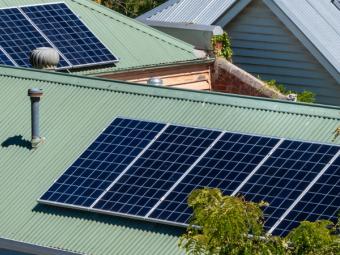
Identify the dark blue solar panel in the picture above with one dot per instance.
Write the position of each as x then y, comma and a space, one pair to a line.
322, 201
102, 162
225, 166
284, 176
65, 30
157, 170
4, 60
18, 37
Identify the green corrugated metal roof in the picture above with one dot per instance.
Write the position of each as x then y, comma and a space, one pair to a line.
74, 110
135, 44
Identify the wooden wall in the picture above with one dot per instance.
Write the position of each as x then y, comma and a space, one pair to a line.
187, 76
264, 46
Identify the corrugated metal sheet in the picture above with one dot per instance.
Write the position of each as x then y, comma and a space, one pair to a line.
136, 44
74, 110
203, 12
264, 46
337, 3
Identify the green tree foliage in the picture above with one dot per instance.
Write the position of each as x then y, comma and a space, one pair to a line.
222, 46
224, 225
131, 8
305, 96
315, 238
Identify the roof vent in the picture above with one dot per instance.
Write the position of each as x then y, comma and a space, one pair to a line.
154, 81
44, 58
35, 94
292, 97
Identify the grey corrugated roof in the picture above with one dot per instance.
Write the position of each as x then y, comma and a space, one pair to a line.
316, 20
203, 12
319, 21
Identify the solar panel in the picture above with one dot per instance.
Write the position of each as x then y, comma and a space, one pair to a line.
283, 177
320, 202
225, 166
69, 34
115, 148
146, 170
18, 37
158, 168
4, 60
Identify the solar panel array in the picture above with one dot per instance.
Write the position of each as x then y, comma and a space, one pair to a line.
102, 162
24, 29
4, 59
146, 170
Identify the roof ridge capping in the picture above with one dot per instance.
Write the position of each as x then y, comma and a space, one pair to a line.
259, 103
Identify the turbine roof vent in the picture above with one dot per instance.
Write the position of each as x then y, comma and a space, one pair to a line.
44, 58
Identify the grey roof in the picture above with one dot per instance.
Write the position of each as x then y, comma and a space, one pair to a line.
316, 21
337, 3
319, 21
203, 12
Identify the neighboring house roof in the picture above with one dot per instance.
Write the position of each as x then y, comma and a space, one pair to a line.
135, 44
315, 23
74, 110
189, 11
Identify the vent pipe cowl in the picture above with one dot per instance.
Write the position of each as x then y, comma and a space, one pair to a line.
35, 94
44, 58
292, 97
154, 81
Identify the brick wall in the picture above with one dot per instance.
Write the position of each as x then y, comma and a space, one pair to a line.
228, 83
228, 78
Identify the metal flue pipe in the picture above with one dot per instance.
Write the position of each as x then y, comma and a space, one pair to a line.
35, 94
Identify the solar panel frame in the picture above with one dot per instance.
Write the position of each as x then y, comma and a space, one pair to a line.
5, 59
68, 205
23, 7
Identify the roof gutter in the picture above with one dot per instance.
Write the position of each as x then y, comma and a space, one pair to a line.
12, 245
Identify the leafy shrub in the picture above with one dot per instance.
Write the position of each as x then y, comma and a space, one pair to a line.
222, 46
305, 96
225, 225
